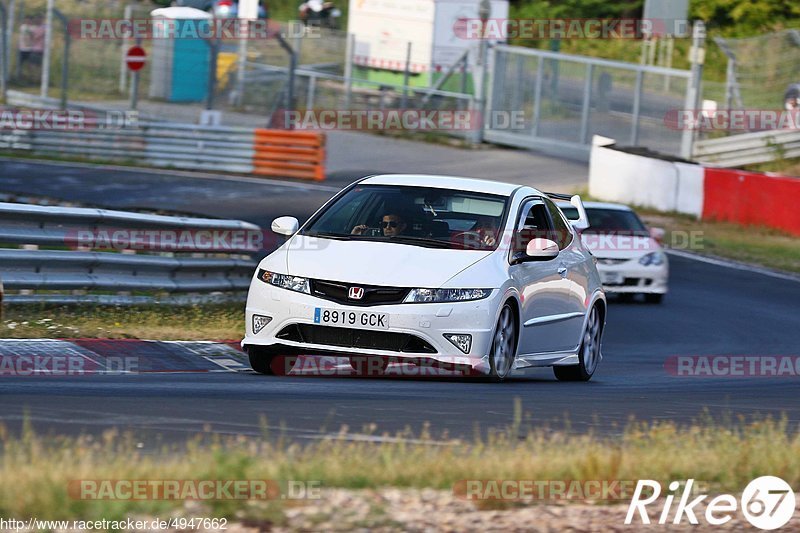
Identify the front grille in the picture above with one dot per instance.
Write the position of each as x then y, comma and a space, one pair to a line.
355, 338
337, 292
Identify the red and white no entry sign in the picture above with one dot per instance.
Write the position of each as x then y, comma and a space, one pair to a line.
135, 58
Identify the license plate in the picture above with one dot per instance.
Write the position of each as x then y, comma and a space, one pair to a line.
333, 317
611, 278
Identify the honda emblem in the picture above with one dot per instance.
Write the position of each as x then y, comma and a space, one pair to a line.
355, 293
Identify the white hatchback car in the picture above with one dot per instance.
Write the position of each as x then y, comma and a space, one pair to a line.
630, 258
471, 273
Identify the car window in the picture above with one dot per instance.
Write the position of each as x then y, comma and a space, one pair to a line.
533, 222
614, 222
562, 233
411, 214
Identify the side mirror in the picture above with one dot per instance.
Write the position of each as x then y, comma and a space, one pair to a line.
658, 234
583, 219
285, 225
541, 250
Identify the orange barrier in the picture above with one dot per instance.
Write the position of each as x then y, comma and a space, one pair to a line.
289, 154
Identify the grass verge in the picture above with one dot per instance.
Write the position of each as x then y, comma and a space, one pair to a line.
750, 244
154, 322
35, 472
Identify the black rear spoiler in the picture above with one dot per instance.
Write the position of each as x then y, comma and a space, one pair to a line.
559, 196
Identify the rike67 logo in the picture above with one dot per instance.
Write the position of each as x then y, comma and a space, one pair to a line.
767, 502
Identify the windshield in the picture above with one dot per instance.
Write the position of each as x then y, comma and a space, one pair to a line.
421, 216
609, 221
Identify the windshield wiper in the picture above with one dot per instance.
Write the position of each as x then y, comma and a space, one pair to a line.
326, 235
422, 241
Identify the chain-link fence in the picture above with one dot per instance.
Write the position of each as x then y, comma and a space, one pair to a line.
562, 101
760, 69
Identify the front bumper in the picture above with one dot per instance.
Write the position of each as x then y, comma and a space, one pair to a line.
428, 322
632, 277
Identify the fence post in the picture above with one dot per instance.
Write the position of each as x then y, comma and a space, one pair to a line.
65, 59
312, 85
637, 105
4, 45
537, 96
48, 44
123, 66
697, 57
134, 101
348, 69
406, 76
587, 103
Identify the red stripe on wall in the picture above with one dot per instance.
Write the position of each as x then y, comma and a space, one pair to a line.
751, 198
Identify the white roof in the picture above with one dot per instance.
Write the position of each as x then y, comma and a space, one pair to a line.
180, 13
444, 182
598, 205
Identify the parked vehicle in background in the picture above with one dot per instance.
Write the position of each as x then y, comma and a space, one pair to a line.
318, 13
630, 257
223, 9
791, 98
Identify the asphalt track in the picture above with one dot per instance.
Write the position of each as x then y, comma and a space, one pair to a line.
710, 310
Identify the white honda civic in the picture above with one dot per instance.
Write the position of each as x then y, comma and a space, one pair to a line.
476, 274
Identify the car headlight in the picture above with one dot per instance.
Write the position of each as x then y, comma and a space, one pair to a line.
446, 295
652, 259
284, 281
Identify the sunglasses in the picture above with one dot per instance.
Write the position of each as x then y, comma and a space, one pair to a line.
390, 224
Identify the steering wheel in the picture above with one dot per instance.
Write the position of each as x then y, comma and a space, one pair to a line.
468, 238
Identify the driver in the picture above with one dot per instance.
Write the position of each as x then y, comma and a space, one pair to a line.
392, 225
486, 228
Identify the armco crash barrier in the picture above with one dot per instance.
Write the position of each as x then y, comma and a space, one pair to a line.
275, 153
747, 198
289, 153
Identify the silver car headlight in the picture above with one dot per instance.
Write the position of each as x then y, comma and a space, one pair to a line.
284, 281
652, 259
446, 295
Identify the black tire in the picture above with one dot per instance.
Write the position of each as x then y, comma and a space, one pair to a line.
653, 298
592, 341
503, 351
269, 363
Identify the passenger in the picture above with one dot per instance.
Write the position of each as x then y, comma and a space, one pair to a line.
392, 225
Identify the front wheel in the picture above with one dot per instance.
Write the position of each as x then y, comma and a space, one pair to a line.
504, 345
588, 355
268, 363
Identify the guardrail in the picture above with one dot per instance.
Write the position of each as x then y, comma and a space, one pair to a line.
748, 148
274, 153
181, 254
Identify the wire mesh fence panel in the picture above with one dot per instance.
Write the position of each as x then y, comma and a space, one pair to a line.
764, 66
565, 100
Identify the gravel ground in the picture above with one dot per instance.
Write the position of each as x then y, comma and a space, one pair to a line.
431, 510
